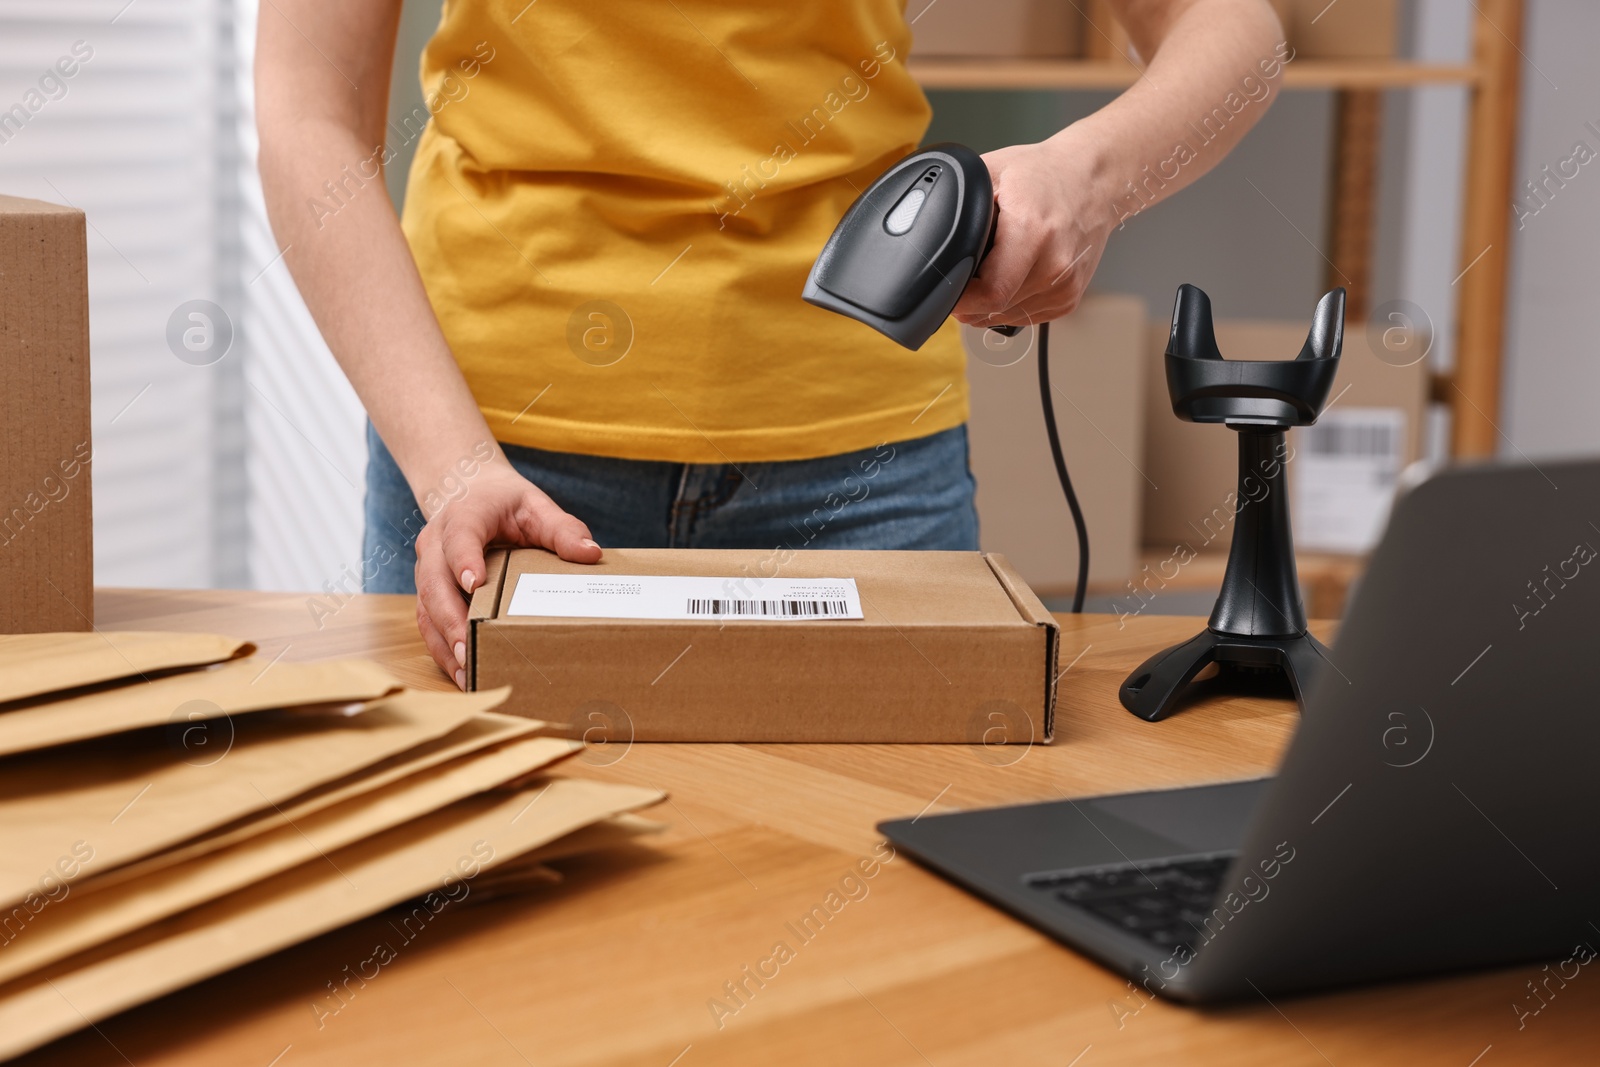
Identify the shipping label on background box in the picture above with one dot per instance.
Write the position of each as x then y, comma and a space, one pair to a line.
663, 596
1349, 463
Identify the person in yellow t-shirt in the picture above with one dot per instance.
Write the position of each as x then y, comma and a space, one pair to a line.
587, 328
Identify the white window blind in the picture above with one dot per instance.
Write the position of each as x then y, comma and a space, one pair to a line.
304, 426
123, 139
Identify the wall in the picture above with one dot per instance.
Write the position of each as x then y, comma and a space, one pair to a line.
1552, 375
303, 424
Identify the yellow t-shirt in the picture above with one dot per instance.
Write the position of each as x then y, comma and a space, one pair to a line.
615, 205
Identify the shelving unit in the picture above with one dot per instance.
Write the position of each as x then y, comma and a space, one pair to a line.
942, 73
1471, 390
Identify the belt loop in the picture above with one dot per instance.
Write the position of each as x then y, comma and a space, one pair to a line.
680, 519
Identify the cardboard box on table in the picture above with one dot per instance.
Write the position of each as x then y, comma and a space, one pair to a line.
46, 536
953, 647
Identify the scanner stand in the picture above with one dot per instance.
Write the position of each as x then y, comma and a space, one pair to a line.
1258, 626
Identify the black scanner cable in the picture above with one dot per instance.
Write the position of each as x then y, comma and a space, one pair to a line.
865, 273
1049, 406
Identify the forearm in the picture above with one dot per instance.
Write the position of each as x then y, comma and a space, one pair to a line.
355, 271
1214, 68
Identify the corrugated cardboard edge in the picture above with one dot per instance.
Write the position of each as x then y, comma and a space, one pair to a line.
47, 331
485, 605
1030, 607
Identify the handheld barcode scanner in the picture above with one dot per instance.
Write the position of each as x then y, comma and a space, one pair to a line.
902, 256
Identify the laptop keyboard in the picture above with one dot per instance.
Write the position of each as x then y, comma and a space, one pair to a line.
1164, 903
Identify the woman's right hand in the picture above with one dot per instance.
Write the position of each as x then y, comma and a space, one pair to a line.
499, 507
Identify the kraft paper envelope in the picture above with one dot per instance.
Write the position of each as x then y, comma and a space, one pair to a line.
234, 688
81, 809
481, 731
527, 876
601, 835
439, 853
530, 871
77, 922
33, 664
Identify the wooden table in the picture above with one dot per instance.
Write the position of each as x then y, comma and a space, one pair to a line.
623, 962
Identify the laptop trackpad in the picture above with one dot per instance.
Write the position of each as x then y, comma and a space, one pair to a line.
1205, 819
1136, 827
997, 846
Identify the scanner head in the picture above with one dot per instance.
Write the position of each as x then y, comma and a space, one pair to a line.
903, 254
1245, 394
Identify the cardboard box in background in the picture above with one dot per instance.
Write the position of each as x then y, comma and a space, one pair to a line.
1104, 37
1041, 29
1348, 29
1098, 361
1194, 467
46, 535
994, 28
1284, 10
952, 648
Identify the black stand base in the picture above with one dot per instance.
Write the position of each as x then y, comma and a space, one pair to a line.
1152, 691
1258, 626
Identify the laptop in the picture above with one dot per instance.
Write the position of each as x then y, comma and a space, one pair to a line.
1435, 811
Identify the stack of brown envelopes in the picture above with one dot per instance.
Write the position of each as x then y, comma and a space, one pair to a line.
172, 806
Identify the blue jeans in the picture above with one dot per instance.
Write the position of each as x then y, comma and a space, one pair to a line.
909, 495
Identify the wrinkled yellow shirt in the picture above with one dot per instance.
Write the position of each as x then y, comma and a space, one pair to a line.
614, 207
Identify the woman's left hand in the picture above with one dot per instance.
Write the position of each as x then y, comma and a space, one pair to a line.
1055, 217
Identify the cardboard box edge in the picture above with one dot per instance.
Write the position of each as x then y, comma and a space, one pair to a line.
485, 605
1030, 607
76, 588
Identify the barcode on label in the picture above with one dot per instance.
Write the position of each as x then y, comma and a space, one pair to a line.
1378, 439
777, 608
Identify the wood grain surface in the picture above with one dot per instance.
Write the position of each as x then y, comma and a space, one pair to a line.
627, 961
